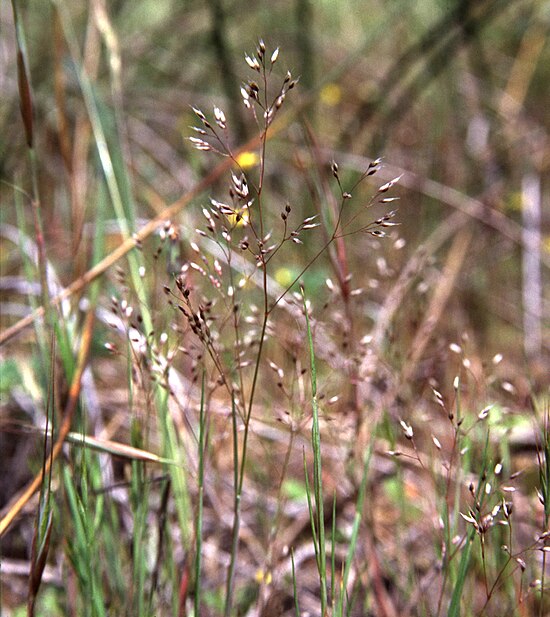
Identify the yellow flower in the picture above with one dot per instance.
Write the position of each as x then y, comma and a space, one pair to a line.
247, 159
331, 94
240, 218
263, 577
284, 276
513, 203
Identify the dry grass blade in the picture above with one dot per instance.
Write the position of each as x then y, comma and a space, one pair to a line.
455, 260
25, 97
117, 449
38, 563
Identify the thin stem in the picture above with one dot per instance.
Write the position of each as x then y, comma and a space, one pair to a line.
27, 112
240, 469
303, 271
202, 447
236, 515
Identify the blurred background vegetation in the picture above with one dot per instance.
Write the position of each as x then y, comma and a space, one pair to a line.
453, 95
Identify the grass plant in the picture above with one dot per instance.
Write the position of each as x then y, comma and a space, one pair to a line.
251, 402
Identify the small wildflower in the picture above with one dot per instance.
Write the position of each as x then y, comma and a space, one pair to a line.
262, 576
239, 217
247, 159
284, 276
330, 94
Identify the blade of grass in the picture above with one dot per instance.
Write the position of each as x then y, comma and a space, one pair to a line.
26, 107
463, 568
200, 504
333, 553
117, 449
83, 549
311, 510
236, 513
454, 606
294, 585
317, 465
139, 498
44, 516
175, 457
356, 525
29, 269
